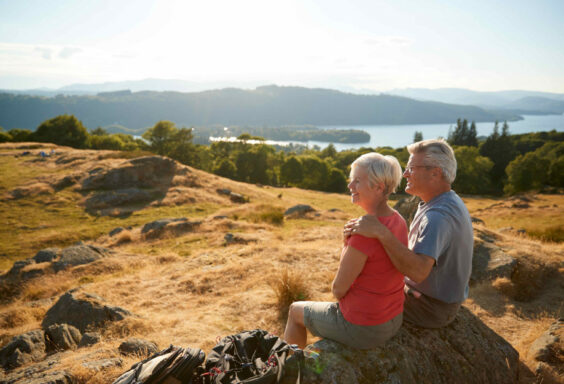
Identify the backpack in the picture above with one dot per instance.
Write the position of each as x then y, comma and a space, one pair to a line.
249, 357
173, 365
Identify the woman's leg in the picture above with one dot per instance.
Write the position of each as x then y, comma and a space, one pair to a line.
296, 332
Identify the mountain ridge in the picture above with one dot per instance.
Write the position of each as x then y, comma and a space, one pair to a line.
269, 105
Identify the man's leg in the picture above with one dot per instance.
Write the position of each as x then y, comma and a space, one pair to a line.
427, 312
296, 332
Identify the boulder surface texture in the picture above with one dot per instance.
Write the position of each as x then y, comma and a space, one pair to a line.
82, 310
464, 352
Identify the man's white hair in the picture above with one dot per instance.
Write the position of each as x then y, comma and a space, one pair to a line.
438, 154
381, 169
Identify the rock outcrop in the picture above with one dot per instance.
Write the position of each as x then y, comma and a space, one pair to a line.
466, 351
142, 172
23, 349
549, 347
135, 346
78, 255
489, 261
83, 311
157, 228
62, 337
300, 209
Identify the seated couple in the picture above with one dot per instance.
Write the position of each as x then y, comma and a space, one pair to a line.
435, 256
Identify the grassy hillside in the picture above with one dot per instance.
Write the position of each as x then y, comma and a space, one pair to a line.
189, 288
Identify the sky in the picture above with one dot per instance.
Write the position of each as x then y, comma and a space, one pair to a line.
353, 45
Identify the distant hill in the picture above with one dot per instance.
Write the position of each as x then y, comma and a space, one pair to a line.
263, 106
525, 101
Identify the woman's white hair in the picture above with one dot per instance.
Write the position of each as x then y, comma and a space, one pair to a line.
381, 169
437, 153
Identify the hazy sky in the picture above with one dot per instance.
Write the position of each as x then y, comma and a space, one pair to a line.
352, 45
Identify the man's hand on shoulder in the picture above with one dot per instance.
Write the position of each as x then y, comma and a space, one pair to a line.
367, 226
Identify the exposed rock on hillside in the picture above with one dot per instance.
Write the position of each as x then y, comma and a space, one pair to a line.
549, 347
23, 349
466, 351
78, 255
82, 310
62, 336
489, 261
51, 260
135, 346
300, 209
143, 172
176, 226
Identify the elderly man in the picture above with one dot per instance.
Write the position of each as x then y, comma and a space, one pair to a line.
438, 260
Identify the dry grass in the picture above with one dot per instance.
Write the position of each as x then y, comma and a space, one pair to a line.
188, 289
289, 286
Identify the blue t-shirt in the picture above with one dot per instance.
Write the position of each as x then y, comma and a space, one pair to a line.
442, 229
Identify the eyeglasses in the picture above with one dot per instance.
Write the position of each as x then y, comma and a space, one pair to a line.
410, 168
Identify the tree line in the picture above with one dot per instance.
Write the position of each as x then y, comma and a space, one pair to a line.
502, 163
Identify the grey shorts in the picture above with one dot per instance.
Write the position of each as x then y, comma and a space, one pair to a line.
324, 319
427, 312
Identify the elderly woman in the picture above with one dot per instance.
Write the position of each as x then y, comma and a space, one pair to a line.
368, 287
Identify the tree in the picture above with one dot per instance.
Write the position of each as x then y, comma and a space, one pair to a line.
462, 135
316, 173
472, 139
161, 137
329, 151
225, 168
417, 136
526, 172
167, 140
291, 171
472, 174
20, 135
99, 132
500, 150
337, 181
63, 130
4, 136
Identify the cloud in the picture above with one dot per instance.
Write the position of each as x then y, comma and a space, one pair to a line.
389, 41
45, 52
67, 52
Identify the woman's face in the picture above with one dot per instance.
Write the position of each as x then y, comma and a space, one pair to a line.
362, 193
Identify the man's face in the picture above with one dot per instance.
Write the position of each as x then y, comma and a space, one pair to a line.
418, 175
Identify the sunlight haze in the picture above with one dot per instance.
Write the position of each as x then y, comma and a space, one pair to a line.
355, 46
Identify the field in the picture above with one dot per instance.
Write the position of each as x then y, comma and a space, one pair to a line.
188, 289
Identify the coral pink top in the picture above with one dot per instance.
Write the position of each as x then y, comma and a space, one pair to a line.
376, 295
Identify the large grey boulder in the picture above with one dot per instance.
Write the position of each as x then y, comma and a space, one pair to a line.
143, 172
44, 372
62, 337
300, 209
464, 352
82, 310
549, 347
23, 349
78, 255
176, 226
489, 262
135, 346
45, 255
106, 199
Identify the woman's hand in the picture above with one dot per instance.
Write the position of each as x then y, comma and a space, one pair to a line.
367, 226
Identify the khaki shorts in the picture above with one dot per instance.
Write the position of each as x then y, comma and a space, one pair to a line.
427, 312
324, 319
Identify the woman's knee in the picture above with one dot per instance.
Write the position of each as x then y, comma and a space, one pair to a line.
296, 312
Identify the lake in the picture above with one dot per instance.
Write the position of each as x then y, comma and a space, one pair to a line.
401, 135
